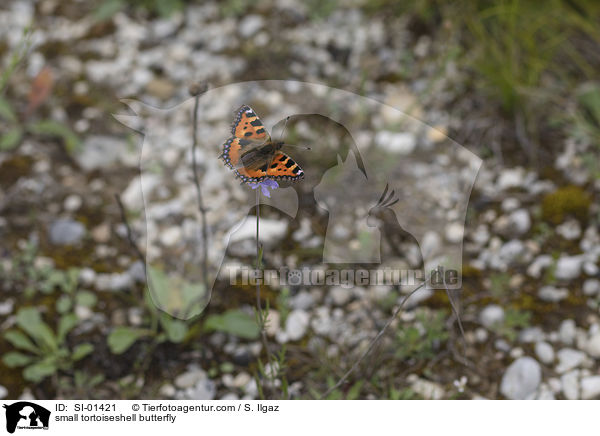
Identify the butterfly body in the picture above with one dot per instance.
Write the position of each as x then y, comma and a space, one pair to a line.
253, 155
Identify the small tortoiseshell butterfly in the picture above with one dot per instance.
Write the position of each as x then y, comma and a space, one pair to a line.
253, 155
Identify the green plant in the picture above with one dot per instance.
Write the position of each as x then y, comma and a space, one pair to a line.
163, 8
43, 351
422, 340
514, 320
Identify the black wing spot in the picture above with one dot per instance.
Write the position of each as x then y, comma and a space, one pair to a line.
256, 123
290, 163
248, 134
274, 166
295, 170
259, 131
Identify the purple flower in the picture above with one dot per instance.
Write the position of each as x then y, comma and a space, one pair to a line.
264, 186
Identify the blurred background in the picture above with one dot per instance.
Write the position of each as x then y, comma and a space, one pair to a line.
515, 82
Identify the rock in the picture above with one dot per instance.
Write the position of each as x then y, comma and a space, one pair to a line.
569, 359
519, 222
7, 306
570, 385
304, 301
3, 392
250, 24
171, 236
544, 352
545, 393
491, 315
101, 233
532, 334
552, 294
340, 295
103, 152
593, 346
521, 379
567, 331
241, 380
271, 231
455, 232
481, 335
205, 389
590, 387
160, 88
568, 267
167, 390
510, 178
189, 378
591, 287
297, 324
427, 389
72, 203
541, 262
113, 282
510, 251
396, 142
66, 232
569, 230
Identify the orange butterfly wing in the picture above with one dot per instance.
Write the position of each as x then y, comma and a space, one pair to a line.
247, 125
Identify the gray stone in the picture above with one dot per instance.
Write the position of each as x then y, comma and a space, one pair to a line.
491, 315
591, 287
519, 222
205, 389
552, 294
568, 267
570, 385
66, 232
3, 392
544, 352
593, 346
590, 387
296, 324
340, 295
102, 152
190, 378
521, 379
250, 24
532, 334
569, 359
567, 331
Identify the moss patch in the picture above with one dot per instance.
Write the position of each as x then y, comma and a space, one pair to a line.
570, 201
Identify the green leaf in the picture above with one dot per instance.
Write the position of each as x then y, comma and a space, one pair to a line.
14, 359
63, 304
19, 340
6, 110
55, 128
174, 295
354, 391
107, 9
82, 350
39, 371
11, 139
234, 322
121, 338
176, 330
30, 321
86, 298
65, 325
